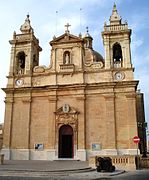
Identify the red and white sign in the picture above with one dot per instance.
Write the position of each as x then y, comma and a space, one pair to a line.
136, 139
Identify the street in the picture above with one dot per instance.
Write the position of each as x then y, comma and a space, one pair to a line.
135, 175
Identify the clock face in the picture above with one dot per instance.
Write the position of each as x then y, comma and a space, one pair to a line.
119, 76
19, 82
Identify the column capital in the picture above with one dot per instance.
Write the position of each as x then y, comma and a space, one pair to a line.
26, 100
131, 96
109, 96
52, 98
9, 100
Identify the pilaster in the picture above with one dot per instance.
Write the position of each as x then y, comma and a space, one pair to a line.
81, 123
131, 118
107, 51
8, 122
27, 114
111, 121
52, 130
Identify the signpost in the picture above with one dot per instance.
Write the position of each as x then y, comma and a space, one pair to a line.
136, 140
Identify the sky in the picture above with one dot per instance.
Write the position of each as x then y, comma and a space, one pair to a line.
48, 18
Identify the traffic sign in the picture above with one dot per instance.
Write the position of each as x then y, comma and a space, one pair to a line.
136, 139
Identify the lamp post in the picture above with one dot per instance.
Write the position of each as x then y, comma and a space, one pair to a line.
142, 134
147, 144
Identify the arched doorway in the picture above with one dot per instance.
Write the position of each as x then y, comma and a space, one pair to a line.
65, 142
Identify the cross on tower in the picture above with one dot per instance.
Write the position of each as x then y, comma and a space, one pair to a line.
87, 29
67, 26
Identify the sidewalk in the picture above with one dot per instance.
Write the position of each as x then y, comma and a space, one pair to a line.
59, 169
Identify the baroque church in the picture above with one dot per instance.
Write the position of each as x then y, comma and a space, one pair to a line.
80, 106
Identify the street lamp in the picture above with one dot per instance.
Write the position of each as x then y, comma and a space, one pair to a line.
142, 126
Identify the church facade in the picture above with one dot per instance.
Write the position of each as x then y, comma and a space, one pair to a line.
80, 106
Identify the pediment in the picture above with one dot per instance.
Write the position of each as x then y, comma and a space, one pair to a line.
66, 38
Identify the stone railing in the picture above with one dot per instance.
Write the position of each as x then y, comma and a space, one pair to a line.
124, 162
67, 68
23, 37
115, 27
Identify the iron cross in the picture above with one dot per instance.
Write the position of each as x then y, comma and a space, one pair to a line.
67, 26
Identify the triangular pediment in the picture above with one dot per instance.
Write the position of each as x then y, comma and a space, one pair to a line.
66, 38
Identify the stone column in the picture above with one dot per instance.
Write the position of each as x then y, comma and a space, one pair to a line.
12, 60
128, 63
81, 152
131, 121
27, 127
110, 125
52, 142
107, 52
7, 128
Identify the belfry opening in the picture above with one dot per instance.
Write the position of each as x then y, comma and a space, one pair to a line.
65, 142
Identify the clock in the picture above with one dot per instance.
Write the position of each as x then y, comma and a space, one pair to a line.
19, 82
119, 76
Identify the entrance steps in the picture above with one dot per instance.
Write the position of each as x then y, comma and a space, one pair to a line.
44, 168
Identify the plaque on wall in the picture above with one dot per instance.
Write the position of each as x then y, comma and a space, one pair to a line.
39, 147
96, 146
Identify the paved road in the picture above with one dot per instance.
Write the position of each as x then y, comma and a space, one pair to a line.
48, 170
137, 175
49, 178
62, 170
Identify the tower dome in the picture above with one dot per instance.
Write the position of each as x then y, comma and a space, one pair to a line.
88, 39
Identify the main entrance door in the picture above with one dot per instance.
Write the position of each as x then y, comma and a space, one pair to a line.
65, 142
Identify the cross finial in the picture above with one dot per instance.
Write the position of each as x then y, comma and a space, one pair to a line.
87, 29
114, 7
67, 26
28, 15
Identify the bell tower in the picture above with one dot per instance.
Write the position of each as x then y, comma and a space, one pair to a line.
116, 40
24, 51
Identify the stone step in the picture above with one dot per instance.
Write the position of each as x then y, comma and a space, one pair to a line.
87, 169
35, 173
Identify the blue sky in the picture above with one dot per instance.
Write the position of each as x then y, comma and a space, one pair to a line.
93, 14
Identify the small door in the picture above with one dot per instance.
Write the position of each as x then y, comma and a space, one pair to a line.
66, 142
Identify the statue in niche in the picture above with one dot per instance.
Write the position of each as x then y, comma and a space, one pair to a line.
67, 58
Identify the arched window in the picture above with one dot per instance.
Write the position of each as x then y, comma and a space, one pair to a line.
66, 57
20, 62
117, 55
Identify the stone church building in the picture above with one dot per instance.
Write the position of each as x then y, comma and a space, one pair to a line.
80, 105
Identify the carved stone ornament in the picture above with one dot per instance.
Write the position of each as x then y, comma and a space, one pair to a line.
39, 69
98, 65
67, 115
66, 108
